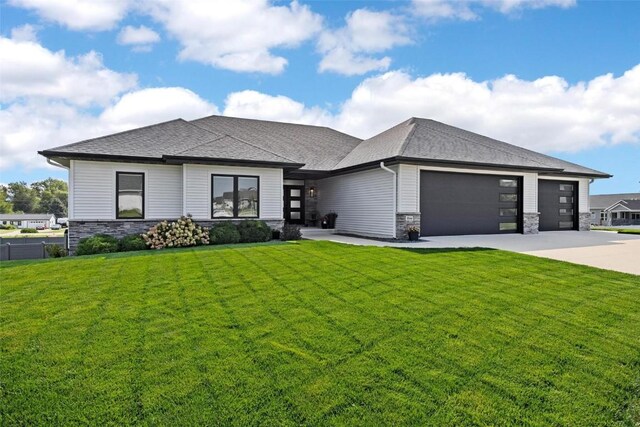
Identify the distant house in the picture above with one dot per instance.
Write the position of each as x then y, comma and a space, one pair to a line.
615, 209
28, 220
420, 173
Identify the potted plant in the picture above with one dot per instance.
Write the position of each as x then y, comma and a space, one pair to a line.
331, 219
413, 232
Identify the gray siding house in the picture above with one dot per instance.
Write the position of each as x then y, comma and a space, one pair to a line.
615, 209
422, 173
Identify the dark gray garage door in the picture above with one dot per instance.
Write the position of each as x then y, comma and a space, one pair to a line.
558, 205
458, 203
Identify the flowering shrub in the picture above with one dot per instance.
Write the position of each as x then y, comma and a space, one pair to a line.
181, 233
291, 232
413, 229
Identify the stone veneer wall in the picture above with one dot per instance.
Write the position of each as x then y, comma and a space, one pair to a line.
118, 229
584, 221
530, 223
402, 223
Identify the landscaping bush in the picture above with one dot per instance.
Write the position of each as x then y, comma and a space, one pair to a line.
56, 251
224, 233
132, 242
28, 231
98, 244
254, 231
181, 233
291, 232
7, 227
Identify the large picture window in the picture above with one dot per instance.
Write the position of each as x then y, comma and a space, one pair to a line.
234, 196
129, 195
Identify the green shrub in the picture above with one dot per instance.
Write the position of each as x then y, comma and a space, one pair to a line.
132, 242
56, 251
254, 231
7, 227
224, 233
28, 231
98, 244
290, 232
177, 234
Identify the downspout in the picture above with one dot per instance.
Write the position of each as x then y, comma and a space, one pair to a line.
395, 201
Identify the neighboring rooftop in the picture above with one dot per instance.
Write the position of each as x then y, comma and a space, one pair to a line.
24, 217
311, 148
627, 204
602, 201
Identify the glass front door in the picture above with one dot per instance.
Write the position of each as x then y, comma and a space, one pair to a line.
294, 204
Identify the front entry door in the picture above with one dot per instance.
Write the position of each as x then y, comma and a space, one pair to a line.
294, 204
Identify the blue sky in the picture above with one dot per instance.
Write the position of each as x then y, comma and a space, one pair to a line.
551, 75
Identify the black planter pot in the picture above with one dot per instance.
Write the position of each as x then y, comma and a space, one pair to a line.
414, 236
331, 220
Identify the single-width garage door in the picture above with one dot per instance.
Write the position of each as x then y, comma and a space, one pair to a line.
459, 203
558, 205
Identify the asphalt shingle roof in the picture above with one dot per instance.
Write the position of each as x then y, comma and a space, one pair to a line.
430, 140
601, 201
317, 148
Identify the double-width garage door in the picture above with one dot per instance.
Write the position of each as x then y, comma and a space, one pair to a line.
558, 205
458, 203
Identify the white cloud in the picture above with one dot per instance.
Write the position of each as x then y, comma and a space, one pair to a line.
141, 38
467, 10
51, 99
24, 33
31, 70
256, 105
547, 114
235, 35
154, 105
91, 15
348, 50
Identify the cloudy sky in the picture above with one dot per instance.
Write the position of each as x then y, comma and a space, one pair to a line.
551, 75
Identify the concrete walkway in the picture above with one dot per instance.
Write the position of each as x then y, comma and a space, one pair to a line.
602, 249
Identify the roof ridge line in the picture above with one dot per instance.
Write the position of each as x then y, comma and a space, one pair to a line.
404, 144
245, 142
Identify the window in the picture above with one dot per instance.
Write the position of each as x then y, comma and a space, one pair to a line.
565, 199
508, 197
129, 195
508, 212
507, 226
565, 211
635, 216
566, 187
565, 224
234, 196
508, 183
603, 216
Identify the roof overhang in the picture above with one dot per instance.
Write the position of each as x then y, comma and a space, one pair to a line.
61, 157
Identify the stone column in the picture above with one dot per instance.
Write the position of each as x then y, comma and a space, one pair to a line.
584, 221
530, 223
404, 220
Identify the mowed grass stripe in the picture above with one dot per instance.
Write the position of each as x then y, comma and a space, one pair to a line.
318, 333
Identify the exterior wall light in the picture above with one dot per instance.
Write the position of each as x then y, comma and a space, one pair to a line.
312, 192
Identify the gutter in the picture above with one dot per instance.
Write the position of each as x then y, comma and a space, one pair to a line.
395, 200
56, 164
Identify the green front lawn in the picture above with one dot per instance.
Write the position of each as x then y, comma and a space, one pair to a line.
318, 333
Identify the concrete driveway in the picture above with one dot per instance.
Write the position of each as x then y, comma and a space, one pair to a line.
602, 249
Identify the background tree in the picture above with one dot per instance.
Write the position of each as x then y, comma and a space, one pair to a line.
47, 196
5, 204
22, 197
